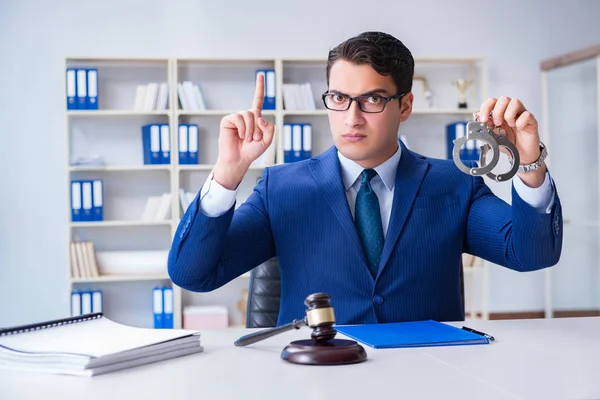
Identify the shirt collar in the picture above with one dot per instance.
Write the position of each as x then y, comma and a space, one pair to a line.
387, 170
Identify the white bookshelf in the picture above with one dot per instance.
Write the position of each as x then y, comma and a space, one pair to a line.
218, 113
122, 278
116, 223
113, 113
121, 168
114, 131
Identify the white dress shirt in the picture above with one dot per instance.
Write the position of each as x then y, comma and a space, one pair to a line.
216, 200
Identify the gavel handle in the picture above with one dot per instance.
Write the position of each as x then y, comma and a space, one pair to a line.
267, 333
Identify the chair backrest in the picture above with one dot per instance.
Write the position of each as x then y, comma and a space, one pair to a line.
264, 293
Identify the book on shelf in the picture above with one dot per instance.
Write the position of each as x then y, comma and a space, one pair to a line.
83, 259
185, 199
266, 159
158, 208
298, 96
153, 96
190, 96
90, 345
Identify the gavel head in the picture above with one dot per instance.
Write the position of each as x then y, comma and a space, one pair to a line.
320, 317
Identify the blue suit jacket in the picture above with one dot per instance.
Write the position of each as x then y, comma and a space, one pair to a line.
299, 213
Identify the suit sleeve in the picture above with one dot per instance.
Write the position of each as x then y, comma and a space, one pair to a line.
207, 252
518, 237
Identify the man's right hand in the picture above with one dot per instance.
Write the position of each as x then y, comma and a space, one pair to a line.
244, 136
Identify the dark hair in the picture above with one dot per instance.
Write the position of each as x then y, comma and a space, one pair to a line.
383, 52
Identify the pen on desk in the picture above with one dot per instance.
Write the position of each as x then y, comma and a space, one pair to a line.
490, 337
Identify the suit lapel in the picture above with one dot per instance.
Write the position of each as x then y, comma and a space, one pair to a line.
410, 174
327, 175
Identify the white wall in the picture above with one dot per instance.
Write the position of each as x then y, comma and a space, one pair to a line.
36, 36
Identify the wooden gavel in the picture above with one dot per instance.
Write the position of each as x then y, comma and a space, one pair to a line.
319, 316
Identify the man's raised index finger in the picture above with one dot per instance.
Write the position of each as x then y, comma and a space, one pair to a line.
259, 93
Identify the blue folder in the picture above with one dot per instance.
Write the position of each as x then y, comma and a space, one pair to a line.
410, 334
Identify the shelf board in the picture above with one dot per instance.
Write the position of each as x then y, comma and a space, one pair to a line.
453, 60
439, 111
304, 112
121, 278
114, 113
209, 167
428, 111
444, 111
93, 224
111, 60
305, 60
218, 113
233, 61
162, 167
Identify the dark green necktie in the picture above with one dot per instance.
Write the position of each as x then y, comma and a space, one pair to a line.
368, 221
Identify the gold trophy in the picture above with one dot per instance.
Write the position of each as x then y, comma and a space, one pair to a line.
462, 85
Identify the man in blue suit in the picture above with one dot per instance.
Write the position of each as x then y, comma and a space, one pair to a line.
378, 227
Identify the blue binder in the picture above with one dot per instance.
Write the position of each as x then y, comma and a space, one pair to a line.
98, 200
96, 301
71, 88
157, 307
87, 200
296, 142
92, 88
270, 86
82, 99
165, 144
456, 130
182, 143
76, 201
151, 143
410, 334
193, 144
287, 143
86, 302
306, 141
167, 308
75, 303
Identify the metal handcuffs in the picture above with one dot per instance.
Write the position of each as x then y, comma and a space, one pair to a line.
477, 130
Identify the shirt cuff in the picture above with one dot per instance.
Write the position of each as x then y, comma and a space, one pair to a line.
540, 198
215, 200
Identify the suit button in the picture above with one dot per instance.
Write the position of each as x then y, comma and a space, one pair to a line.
377, 299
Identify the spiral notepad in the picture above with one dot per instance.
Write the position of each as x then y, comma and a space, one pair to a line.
90, 345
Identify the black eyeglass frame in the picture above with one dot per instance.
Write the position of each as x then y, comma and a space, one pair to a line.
357, 98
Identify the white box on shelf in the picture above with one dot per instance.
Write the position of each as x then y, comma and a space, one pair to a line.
205, 317
132, 262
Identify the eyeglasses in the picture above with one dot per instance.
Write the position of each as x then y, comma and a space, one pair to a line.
369, 103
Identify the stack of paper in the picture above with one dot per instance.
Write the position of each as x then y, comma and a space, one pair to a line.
90, 345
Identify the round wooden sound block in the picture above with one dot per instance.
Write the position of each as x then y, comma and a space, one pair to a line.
330, 352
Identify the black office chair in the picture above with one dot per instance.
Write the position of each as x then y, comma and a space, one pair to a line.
264, 293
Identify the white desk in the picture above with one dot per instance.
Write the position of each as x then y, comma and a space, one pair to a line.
531, 359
